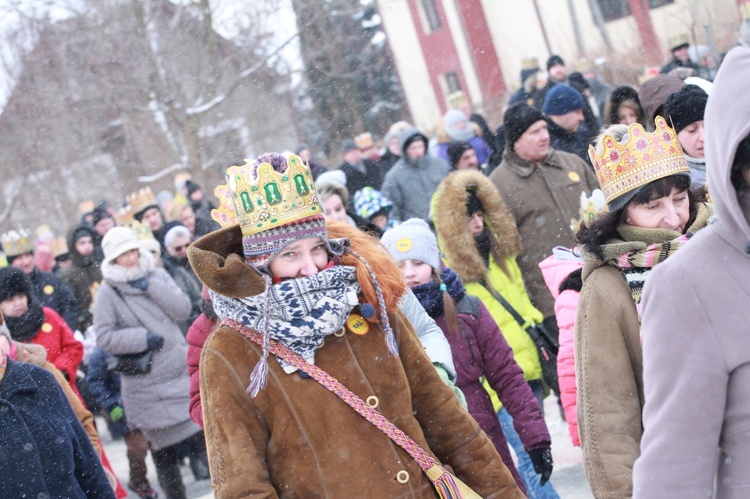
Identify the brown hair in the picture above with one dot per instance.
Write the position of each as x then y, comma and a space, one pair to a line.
390, 277
449, 307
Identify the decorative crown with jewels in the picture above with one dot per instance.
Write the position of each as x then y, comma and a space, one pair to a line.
140, 200
641, 159
17, 242
266, 199
124, 216
529, 63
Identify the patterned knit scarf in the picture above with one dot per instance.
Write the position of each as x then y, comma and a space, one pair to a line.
649, 247
299, 313
431, 297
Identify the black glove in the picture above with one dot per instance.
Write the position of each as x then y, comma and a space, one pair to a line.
542, 461
154, 341
141, 283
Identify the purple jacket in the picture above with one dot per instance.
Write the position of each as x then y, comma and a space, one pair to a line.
479, 349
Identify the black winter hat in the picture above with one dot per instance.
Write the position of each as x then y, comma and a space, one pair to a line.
685, 107
554, 60
100, 214
473, 204
191, 187
456, 150
14, 281
518, 118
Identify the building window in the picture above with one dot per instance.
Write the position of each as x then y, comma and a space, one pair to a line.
616, 9
449, 83
430, 15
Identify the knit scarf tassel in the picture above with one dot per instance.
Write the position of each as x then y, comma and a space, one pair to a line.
259, 376
390, 338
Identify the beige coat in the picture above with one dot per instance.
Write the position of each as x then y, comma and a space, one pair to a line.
544, 201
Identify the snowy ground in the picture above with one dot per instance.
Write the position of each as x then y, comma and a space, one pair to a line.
568, 476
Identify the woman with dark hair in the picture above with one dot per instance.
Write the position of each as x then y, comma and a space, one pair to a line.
623, 107
696, 357
652, 213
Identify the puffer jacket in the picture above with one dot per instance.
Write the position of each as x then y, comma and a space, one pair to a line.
555, 271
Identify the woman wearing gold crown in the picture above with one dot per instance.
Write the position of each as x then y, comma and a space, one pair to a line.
652, 213
313, 353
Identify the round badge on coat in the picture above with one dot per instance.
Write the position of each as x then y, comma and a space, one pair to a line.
574, 176
357, 324
46, 327
404, 245
48, 289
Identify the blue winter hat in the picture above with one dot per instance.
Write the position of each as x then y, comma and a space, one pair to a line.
413, 240
562, 99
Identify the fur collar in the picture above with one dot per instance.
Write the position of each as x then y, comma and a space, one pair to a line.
114, 273
451, 223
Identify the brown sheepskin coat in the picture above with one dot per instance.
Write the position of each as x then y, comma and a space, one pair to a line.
296, 439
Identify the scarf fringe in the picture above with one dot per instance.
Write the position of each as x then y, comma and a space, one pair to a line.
390, 338
259, 376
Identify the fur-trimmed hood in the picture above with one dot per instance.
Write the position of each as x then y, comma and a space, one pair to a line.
217, 260
451, 223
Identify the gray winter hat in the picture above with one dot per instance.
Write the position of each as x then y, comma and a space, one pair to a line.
413, 240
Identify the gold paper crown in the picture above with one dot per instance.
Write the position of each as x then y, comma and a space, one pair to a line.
86, 206
267, 199
43, 233
678, 40
124, 216
529, 63
643, 158
590, 209
58, 246
364, 140
456, 99
180, 179
17, 242
141, 200
142, 231
745, 11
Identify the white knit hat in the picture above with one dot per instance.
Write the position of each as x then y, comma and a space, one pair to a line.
117, 241
413, 240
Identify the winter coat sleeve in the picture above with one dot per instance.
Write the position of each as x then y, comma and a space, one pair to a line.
197, 334
84, 415
249, 430
392, 190
168, 296
450, 432
565, 312
686, 378
608, 374
71, 350
506, 379
430, 335
110, 335
97, 376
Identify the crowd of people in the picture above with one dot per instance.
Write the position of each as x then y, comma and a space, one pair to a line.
441, 288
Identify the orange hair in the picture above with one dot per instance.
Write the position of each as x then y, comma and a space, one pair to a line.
390, 277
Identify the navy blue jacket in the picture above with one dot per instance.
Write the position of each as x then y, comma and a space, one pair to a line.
575, 143
50, 291
44, 450
104, 389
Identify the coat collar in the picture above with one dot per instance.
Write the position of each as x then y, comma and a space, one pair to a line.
16, 380
523, 167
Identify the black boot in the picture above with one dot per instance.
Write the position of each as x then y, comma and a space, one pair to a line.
168, 472
198, 457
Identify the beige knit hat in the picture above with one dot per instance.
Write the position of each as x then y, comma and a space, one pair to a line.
117, 241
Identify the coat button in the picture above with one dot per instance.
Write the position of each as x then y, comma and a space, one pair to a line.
402, 476
373, 401
28, 447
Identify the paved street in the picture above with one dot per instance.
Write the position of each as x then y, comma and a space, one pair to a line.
568, 476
